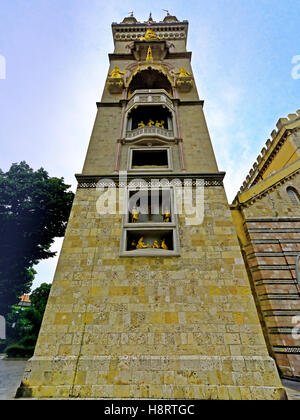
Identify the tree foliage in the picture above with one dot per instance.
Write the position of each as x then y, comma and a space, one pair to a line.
34, 210
24, 323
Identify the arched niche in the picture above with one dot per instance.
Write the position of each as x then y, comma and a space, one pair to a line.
150, 78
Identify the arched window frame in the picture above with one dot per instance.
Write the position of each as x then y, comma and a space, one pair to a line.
293, 195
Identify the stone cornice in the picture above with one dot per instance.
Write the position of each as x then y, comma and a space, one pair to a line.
146, 24
129, 56
192, 179
119, 103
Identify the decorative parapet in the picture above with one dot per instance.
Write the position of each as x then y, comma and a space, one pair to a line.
285, 126
169, 31
119, 181
149, 131
115, 84
261, 189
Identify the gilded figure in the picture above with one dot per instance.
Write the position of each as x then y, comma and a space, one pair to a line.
150, 36
164, 245
134, 215
141, 244
167, 216
183, 72
117, 73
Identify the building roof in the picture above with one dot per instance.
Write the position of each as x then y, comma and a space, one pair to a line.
264, 159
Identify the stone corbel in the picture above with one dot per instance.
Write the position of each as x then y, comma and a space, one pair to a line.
184, 84
115, 84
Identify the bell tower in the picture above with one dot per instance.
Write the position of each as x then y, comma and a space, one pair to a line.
149, 301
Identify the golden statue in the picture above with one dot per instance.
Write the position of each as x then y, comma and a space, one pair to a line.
150, 36
117, 73
149, 55
133, 244
164, 246
182, 72
150, 123
141, 124
156, 245
134, 215
141, 244
160, 124
167, 216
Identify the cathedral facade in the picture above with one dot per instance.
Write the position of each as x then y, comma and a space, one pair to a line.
266, 212
149, 301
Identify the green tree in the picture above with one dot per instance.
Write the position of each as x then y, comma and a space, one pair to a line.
34, 210
39, 297
24, 323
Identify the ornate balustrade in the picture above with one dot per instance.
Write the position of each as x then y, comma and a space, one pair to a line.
149, 131
157, 96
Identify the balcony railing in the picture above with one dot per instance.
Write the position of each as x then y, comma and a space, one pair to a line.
154, 96
149, 132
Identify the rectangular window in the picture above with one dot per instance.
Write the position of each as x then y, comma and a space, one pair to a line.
150, 159
150, 225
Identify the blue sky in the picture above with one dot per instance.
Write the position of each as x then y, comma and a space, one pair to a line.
56, 64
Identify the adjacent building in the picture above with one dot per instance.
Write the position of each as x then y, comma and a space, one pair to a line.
266, 212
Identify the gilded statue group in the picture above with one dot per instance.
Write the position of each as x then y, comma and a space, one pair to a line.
135, 215
151, 123
156, 245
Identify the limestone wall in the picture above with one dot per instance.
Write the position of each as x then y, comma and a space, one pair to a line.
180, 327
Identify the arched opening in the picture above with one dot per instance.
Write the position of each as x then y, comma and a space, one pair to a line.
150, 79
293, 195
150, 116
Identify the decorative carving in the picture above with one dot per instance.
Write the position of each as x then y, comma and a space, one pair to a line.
164, 246
150, 36
182, 72
149, 55
115, 80
205, 180
184, 80
160, 124
115, 85
167, 216
117, 73
134, 215
141, 244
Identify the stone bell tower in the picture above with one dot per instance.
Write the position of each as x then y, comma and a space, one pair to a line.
145, 304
